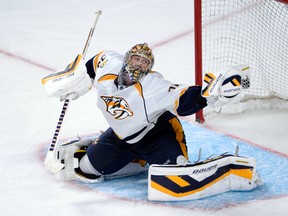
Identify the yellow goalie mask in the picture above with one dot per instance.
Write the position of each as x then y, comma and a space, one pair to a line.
138, 61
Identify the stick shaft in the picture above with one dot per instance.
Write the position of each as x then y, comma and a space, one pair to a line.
67, 101
91, 32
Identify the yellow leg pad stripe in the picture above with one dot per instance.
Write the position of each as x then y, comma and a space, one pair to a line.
179, 181
245, 173
171, 193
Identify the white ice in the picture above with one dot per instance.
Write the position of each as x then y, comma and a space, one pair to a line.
52, 33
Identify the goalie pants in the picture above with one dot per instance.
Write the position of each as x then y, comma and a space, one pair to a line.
162, 145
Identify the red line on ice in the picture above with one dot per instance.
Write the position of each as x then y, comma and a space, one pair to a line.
17, 57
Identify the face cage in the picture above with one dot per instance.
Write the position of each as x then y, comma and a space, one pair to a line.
135, 74
128, 77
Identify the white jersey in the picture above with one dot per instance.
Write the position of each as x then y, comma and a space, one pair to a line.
133, 111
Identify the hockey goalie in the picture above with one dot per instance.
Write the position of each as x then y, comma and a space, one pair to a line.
142, 110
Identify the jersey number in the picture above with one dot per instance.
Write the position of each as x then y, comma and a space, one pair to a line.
173, 87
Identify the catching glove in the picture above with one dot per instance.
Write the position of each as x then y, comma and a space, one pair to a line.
221, 88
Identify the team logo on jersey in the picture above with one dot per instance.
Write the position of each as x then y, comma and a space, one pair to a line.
117, 107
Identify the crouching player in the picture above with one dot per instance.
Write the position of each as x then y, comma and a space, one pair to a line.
141, 108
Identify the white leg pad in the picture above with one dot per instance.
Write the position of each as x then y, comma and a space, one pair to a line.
195, 181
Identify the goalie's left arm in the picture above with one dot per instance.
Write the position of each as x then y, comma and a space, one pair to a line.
221, 88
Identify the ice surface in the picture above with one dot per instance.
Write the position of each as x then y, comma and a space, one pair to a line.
51, 33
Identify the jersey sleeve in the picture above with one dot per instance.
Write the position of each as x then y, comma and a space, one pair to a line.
92, 65
105, 62
179, 99
191, 101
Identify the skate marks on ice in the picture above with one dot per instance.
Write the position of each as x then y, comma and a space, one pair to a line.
271, 166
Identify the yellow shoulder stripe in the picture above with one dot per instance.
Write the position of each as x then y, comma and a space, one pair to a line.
107, 77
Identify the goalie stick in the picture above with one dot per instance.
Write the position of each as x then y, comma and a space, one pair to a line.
50, 162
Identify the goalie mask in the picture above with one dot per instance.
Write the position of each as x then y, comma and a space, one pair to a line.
137, 62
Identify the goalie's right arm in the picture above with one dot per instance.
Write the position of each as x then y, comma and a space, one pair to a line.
73, 81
